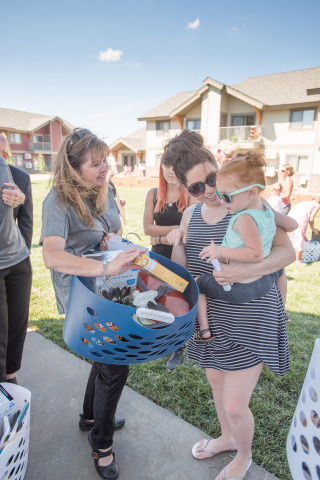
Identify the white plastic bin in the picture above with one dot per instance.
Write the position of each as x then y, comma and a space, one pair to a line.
303, 442
14, 457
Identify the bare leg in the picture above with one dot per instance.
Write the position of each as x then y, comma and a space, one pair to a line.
203, 315
237, 390
281, 283
226, 441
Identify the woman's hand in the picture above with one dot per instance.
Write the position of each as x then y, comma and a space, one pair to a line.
122, 262
12, 195
315, 231
104, 241
176, 236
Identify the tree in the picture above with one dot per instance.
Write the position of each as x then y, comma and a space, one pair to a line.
41, 164
9, 159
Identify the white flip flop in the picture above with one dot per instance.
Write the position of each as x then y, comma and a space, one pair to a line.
203, 449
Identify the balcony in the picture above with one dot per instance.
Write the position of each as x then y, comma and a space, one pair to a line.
242, 135
40, 147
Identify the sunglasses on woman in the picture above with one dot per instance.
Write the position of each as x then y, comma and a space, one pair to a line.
198, 188
78, 133
227, 197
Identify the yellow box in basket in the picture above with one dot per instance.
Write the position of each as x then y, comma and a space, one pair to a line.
162, 273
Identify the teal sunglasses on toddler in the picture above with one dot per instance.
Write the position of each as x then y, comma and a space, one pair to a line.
227, 197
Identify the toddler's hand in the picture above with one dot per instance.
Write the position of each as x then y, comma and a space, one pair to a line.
210, 252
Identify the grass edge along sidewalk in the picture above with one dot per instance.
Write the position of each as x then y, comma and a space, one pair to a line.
185, 392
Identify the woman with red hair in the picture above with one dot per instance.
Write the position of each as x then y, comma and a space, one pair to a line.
163, 212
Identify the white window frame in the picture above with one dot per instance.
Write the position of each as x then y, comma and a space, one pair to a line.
18, 160
163, 127
193, 120
298, 125
15, 138
297, 162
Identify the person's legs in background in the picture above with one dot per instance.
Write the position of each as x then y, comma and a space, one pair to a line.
176, 359
18, 288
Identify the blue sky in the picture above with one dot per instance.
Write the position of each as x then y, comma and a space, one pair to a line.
102, 63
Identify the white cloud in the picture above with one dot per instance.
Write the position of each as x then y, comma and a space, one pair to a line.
193, 25
110, 55
233, 31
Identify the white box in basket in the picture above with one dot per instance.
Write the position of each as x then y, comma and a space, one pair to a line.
122, 284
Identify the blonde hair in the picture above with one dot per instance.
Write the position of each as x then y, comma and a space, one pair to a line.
248, 168
289, 169
68, 181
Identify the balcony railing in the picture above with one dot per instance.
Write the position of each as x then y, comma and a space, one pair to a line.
41, 146
241, 134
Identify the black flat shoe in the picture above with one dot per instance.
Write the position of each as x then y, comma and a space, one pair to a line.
111, 471
85, 426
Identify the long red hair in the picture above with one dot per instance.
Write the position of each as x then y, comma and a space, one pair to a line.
183, 199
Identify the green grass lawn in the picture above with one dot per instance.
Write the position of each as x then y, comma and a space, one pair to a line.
185, 392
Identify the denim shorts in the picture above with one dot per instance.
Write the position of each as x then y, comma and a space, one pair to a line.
240, 292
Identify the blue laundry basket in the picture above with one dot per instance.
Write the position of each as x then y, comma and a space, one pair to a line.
105, 331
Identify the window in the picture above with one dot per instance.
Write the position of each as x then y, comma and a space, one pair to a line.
17, 160
242, 120
299, 163
14, 138
302, 119
193, 124
162, 128
37, 138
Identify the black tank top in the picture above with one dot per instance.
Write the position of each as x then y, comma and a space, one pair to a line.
167, 217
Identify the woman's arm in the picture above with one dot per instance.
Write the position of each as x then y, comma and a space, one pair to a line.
312, 217
281, 255
56, 258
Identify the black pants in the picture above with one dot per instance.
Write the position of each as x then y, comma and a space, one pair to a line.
104, 388
15, 289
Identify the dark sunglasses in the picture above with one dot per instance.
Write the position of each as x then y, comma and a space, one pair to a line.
78, 133
227, 197
198, 188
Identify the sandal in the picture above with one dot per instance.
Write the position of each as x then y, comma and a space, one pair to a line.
109, 472
198, 336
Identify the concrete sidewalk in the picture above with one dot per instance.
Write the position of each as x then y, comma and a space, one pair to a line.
153, 445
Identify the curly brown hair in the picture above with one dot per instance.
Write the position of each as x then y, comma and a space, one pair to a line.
68, 182
184, 151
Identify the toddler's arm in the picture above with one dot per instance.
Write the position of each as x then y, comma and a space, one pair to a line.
251, 253
284, 221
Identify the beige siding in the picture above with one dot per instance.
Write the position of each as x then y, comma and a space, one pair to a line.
210, 116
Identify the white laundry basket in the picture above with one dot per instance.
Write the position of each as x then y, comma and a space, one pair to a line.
311, 251
303, 442
14, 457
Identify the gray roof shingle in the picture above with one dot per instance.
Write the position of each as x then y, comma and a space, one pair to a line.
283, 88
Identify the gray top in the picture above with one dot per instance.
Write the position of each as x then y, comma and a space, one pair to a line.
60, 221
12, 245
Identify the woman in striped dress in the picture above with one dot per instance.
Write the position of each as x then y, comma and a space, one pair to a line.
247, 335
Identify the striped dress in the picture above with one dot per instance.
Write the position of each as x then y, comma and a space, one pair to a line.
245, 334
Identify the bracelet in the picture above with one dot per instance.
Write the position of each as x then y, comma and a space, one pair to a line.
104, 274
160, 239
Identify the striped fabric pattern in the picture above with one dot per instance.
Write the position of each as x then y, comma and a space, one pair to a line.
245, 334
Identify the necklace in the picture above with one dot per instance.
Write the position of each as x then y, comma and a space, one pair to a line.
170, 204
